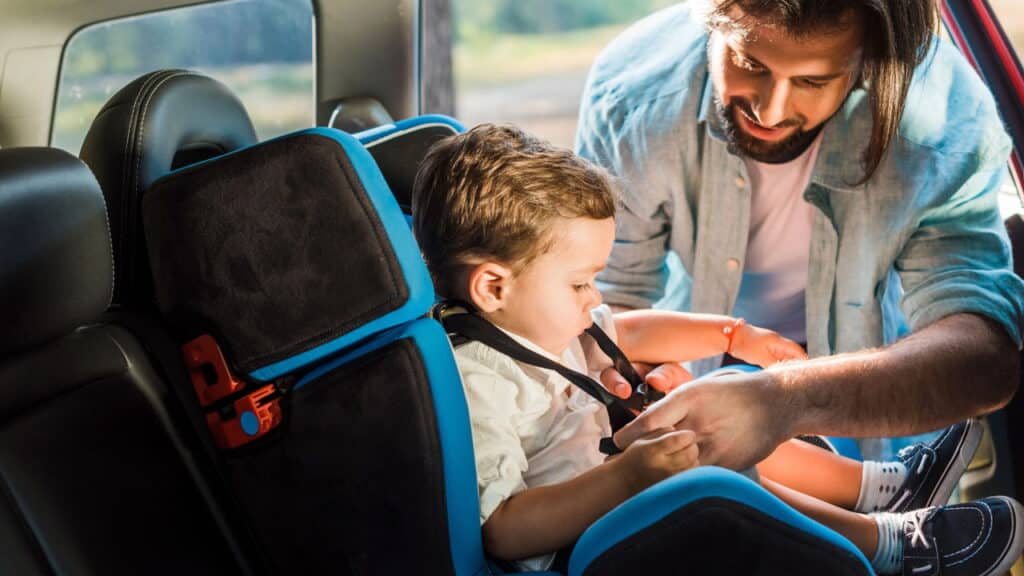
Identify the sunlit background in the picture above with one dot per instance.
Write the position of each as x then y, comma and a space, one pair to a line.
520, 61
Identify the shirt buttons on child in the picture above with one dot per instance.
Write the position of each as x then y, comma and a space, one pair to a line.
732, 264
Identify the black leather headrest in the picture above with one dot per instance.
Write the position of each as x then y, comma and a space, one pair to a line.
56, 271
160, 121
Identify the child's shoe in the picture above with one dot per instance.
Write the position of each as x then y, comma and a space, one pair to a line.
972, 539
934, 469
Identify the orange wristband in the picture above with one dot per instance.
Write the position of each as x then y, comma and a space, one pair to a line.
730, 330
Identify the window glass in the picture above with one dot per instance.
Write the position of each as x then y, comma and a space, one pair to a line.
525, 61
1011, 18
261, 49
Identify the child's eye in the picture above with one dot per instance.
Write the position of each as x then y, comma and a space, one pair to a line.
814, 84
580, 287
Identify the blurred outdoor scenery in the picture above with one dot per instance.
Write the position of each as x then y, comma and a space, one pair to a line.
520, 61
261, 49
525, 61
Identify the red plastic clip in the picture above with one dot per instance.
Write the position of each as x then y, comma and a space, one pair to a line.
253, 417
208, 370
247, 417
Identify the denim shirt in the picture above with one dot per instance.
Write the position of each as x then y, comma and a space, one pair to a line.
920, 240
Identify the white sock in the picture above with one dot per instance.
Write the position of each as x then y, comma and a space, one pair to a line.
889, 554
879, 482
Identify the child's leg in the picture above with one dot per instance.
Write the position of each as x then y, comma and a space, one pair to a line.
814, 472
857, 528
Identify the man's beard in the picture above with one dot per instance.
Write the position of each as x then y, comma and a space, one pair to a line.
743, 144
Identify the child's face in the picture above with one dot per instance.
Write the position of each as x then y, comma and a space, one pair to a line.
549, 301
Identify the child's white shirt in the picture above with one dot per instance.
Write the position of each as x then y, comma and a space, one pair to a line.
531, 426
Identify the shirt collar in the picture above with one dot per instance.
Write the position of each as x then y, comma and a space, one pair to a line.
531, 346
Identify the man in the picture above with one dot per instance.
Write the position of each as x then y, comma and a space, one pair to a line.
825, 169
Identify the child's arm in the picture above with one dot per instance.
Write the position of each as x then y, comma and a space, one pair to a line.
658, 336
547, 518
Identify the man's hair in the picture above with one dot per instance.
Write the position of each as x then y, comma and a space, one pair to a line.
897, 36
497, 193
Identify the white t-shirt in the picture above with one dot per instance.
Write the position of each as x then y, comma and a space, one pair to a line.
775, 269
531, 426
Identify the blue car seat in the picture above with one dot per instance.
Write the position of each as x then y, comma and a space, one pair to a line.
398, 149
336, 403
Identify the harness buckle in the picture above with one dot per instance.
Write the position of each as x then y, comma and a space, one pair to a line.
233, 417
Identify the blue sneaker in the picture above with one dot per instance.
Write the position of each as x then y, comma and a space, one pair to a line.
978, 538
934, 469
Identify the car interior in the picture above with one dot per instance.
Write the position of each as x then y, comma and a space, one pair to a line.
219, 355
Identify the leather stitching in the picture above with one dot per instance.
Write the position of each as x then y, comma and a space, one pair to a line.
138, 125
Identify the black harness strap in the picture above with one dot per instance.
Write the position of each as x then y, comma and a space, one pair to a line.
470, 326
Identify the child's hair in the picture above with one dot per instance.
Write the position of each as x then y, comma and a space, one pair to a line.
496, 193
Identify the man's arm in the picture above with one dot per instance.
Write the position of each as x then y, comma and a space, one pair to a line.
960, 366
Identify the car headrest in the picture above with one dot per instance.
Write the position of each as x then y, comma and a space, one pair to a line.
399, 149
286, 252
160, 121
56, 272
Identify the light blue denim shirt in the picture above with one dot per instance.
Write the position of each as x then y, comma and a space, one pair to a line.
922, 239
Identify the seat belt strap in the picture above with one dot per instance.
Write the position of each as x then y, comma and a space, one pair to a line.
474, 327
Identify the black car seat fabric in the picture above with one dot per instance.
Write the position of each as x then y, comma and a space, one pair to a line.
160, 121
45, 252
93, 477
399, 148
338, 408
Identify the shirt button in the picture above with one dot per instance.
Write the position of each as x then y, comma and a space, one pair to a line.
740, 182
732, 264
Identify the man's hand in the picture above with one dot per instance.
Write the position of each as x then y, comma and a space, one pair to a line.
665, 377
657, 456
739, 419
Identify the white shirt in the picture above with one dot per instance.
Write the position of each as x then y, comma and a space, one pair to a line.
531, 426
778, 248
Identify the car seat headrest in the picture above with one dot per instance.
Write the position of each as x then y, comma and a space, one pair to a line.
287, 252
160, 121
56, 271
399, 149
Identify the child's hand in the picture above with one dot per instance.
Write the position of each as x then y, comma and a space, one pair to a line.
764, 347
657, 456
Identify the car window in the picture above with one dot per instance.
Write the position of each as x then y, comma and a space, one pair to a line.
525, 61
261, 49
1011, 18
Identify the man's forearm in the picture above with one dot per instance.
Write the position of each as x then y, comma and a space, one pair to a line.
961, 366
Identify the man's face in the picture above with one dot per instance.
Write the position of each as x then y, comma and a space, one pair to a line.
773, 91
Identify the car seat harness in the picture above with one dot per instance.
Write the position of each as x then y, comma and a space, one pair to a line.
463, 324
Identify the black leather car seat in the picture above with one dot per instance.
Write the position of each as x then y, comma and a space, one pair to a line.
94, 478
160, 121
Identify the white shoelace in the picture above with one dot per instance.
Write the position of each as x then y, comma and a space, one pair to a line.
914, 527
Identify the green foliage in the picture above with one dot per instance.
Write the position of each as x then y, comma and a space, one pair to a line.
474, 18
232, 33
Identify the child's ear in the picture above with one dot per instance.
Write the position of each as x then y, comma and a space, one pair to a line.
488, 286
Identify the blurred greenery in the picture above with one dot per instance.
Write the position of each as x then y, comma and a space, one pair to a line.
261, 49
475, 18
503, 41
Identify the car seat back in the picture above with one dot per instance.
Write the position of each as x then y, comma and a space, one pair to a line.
288, 269
160, 121
95, 476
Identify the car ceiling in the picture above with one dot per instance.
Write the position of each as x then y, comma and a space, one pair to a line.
365, 48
